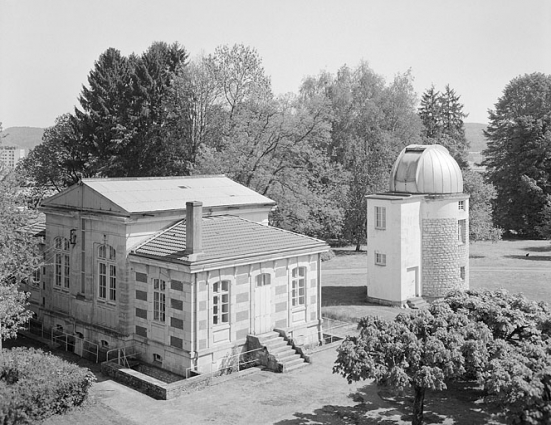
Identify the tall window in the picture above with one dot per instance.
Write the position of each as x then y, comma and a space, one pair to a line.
62, 269
380, 217
298, 285
107, 271
221, 302
462, 231
159, 300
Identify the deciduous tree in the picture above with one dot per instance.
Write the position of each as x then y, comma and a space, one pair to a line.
421, 351
518, 155
19, 259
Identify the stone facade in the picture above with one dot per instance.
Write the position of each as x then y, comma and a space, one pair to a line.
443, 256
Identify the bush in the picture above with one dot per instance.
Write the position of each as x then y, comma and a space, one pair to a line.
35, 385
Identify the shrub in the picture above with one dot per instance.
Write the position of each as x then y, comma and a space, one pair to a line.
35, 385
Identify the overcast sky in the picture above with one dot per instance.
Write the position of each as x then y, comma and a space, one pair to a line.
47, 48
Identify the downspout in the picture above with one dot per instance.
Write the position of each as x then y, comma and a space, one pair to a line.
194, 325
320, 318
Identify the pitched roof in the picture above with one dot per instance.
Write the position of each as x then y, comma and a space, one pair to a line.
139, 195
226, 237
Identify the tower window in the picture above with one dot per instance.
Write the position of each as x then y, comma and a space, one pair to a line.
380, 218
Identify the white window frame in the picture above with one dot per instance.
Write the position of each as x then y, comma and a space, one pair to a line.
221, 302
380, 258
298, 286
62, 263
107, 273
263, 279
159, 300
380, 218
461, 205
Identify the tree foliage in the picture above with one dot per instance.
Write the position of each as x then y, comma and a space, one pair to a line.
442, 116
518, 155
498, 339
371, 121
19, 258
481, 227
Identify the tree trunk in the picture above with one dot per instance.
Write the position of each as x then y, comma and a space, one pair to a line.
418, 403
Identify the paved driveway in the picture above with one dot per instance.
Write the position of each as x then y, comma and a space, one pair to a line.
259, 398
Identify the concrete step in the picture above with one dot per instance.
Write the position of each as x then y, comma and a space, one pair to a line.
276, 344
296, 366
293, 364
417, 303
286, 355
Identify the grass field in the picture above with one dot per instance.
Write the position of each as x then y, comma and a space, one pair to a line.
515, 265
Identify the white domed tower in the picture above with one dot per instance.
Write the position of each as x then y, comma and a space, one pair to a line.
418, 232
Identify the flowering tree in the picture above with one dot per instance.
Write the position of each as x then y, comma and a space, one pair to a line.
419, 351
503, 341
19, 258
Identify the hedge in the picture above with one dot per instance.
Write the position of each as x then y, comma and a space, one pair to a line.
35, 385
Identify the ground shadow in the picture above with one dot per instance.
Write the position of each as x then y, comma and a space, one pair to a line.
382, 407
476, 256
529, 257
340, 252
538, 248
343, 295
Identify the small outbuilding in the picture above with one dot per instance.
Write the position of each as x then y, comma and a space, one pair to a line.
418, 231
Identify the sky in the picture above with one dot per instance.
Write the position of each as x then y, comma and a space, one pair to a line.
47, 48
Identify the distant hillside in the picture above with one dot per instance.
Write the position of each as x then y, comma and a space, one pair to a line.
24, 137
473, 133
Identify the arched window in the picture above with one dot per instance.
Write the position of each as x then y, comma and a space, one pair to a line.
263, 279
107, 273
62, 267
221, 302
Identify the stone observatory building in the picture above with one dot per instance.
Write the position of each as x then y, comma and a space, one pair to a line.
418, 231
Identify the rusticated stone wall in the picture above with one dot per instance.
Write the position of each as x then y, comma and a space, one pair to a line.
443, 255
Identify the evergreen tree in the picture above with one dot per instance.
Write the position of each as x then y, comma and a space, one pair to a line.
442, 116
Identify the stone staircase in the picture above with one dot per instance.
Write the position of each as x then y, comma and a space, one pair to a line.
417, 303
285, 355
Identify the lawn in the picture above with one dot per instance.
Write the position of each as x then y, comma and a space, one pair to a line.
515, 265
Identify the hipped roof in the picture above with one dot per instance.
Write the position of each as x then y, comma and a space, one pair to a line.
225, 238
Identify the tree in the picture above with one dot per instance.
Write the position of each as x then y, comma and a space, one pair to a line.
482, 194
371, 121
502, 341
59, 161
274, 146
421, 351
19, 259
517, 376
518, 155
442, 116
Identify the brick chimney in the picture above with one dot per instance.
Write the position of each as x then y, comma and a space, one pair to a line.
194, 229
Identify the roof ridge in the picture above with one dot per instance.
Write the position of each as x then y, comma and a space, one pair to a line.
197, 176
269, 226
